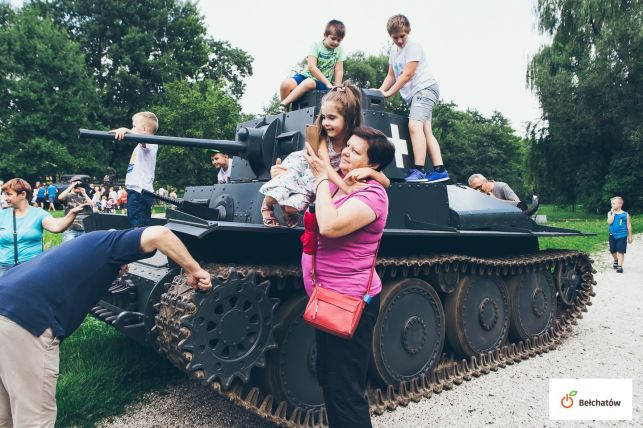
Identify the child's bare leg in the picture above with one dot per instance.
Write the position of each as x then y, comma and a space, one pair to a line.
305, 86
291, 215
615, 257
286, 87
268, 212
418, 141
621, 257
435, 154
269, 202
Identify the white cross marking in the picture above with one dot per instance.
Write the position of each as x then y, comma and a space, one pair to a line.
400, 146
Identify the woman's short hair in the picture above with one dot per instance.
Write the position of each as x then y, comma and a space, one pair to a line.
18, 185
380, 150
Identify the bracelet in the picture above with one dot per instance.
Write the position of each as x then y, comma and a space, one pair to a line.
320, 182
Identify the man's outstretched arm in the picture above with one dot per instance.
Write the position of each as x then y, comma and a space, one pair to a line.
161, 238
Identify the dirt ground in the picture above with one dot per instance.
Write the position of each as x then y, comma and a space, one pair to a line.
607, 343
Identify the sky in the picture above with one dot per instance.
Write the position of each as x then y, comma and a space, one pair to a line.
478, 50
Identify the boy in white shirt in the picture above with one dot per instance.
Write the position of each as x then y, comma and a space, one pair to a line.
141, 169
409, 73
224, 163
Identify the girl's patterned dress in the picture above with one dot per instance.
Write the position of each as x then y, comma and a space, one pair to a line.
294, 187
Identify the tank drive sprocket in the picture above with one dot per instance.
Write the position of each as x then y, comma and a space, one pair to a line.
221, 334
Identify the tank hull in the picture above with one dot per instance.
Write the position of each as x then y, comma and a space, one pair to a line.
466, 289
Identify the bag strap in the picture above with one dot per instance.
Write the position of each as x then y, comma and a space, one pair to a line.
15, 239
370, 278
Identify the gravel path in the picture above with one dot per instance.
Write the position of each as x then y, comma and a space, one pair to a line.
605, 344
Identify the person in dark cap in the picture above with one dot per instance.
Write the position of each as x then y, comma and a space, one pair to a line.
38, 310
74, 196
224, 163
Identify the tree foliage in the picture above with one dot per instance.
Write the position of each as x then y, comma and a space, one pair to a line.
45, 93
368, 72
472, 143
66, 64
198, 110
589, 82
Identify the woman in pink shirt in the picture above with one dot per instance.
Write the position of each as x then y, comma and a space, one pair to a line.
350, 228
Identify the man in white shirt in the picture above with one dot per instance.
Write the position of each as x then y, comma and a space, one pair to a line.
141, 169
224, 163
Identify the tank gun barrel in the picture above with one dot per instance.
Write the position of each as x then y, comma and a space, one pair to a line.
173, 201
186, 206
226, 146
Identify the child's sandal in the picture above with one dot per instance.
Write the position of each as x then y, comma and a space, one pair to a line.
292, 220
268, 216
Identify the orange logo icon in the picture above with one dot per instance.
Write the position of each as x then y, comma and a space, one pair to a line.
567, 401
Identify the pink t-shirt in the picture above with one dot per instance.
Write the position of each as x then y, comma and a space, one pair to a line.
344, 264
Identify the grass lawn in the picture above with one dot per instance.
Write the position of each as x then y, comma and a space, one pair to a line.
580, 220
101, 370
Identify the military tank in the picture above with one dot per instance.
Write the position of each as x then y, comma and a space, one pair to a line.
466, 289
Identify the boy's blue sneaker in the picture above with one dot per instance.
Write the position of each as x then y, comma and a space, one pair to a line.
436, 177
416, 176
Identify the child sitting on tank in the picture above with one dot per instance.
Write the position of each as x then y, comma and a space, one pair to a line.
292, 185
325, 63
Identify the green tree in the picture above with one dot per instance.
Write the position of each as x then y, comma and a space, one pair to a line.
589, 82
134, 49
45, 93
273, 105
471, 144
199, 110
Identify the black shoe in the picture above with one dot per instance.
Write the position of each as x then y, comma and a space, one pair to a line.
619, 269
615, 265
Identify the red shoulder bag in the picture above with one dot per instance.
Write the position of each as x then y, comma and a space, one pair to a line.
333, 312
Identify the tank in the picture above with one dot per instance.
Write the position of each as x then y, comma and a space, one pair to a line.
466, 289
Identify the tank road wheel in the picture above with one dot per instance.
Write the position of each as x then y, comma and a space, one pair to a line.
533, 304
477, 315
230, 329
409, 332
568, 279
290, 375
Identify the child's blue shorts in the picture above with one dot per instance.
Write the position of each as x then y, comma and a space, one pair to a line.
618, 245
300, 78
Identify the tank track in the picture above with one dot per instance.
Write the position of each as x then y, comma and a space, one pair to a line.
448, 373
